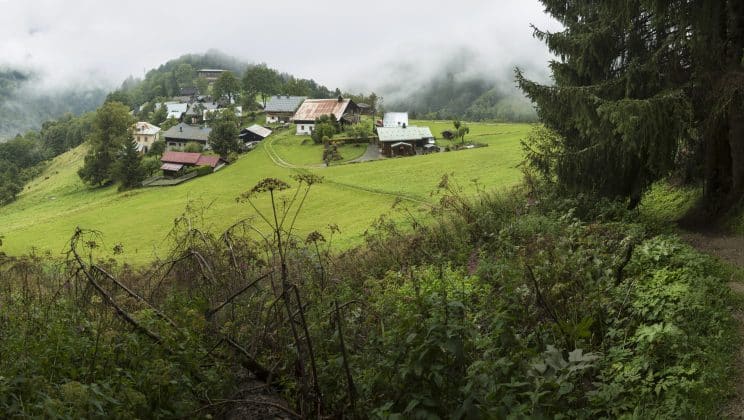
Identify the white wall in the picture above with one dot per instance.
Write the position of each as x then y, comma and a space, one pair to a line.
305, 129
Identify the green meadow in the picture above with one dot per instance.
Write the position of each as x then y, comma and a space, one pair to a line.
352, 196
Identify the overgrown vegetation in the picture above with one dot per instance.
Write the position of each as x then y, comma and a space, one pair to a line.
517, 304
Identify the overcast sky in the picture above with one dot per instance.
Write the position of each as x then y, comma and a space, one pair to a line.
336, 42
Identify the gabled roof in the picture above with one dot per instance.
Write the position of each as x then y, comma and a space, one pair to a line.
395, 119
312, 109
258, 130
403, 134
187, 132
185, 158
176, 109
146, 128
284, 103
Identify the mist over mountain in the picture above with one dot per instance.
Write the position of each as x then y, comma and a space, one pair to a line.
25, 106
456, 83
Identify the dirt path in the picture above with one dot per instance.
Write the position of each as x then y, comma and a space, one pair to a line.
728, 248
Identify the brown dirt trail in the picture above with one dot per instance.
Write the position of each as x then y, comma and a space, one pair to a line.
728, 248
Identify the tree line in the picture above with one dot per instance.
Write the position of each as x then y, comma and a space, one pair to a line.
25, 156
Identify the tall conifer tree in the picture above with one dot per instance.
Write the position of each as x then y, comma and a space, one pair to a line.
639, 84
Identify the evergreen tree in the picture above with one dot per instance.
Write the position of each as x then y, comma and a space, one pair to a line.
620, 122
128, 170
639, 85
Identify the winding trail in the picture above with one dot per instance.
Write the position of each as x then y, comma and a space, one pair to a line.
730, 249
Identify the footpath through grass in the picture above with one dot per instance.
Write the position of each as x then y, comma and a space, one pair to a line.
352, 196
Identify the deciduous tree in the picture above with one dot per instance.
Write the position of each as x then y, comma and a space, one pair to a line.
112, 129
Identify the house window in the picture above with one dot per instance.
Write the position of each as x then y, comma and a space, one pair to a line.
302, 127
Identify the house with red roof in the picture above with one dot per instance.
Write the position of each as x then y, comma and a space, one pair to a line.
176, 163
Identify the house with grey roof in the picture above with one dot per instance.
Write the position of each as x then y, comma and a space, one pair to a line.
404, 140
178, 136
395, 119
280, 108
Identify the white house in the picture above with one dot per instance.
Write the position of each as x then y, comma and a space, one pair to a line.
395, 119
145, 134
280, 108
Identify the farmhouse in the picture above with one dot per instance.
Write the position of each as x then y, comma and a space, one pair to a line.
179, 135
345, 111
403, 141
280, 108
145, 134
174, 163
210, 74
254, 133
395, 119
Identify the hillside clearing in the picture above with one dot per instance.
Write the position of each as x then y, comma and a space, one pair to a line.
352, 196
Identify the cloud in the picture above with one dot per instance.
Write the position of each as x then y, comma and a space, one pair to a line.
335, 42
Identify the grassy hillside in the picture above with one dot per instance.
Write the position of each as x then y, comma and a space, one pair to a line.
352, 196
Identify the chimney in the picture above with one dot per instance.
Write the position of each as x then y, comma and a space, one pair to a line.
180, 128
340, 98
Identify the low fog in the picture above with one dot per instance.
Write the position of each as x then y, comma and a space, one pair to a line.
387, 46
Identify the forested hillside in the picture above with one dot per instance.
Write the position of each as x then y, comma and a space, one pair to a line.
473, 98
23, 107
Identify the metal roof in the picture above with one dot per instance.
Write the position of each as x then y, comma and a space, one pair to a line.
257, 129
177, 109
312, 109
183, 158
395, 119
284, 103
146, 128
403, 134
187, 132
175, 167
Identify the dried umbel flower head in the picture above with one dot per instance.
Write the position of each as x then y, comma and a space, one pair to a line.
308, 179
266, 184
314, 237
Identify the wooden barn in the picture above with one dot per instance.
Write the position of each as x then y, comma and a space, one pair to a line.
254, 133
403, 141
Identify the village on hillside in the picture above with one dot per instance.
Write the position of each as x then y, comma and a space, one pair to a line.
188, 152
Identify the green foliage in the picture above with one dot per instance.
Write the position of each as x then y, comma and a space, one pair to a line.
621, 102
111, 133
151, 165
360, 131
224, 135
262, 81
193, 147
128, 170
157, 148
227, 85
158, 116
326, 126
